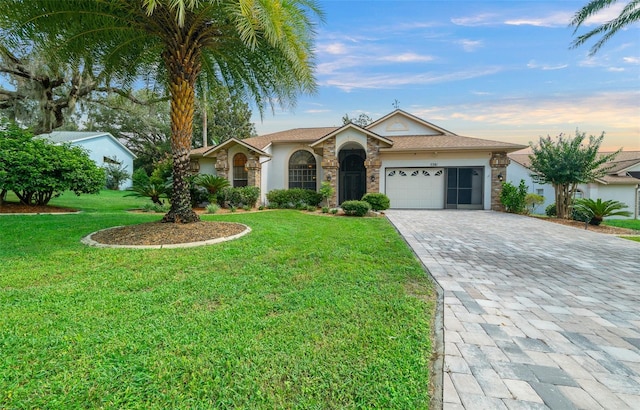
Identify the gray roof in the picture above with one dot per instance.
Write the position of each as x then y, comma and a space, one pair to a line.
72, 136
60, 137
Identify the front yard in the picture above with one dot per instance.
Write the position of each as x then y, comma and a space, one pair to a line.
304, 312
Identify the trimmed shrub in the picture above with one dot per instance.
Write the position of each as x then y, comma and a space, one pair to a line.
551, 210
140, 177
356, 208
513, 198
293, 198
238, 197
378, 201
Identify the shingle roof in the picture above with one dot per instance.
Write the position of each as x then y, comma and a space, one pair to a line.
294, 135
447, 142
60, 137
72, 136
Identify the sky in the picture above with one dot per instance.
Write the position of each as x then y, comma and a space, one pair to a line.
500, 70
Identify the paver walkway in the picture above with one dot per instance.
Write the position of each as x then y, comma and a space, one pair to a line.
536, 314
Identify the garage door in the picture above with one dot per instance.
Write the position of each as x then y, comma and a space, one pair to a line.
415, 188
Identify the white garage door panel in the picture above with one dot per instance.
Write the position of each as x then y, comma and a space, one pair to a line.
418, 188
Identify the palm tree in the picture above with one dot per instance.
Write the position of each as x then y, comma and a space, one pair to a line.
260, 49
629, 14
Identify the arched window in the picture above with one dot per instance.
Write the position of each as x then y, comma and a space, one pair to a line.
302, 170
240, 176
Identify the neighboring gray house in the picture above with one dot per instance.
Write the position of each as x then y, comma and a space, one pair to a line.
103, 148
622, 182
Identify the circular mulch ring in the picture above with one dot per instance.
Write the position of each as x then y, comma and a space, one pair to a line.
157, 235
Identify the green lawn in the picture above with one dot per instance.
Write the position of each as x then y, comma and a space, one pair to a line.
304, 312
624, 223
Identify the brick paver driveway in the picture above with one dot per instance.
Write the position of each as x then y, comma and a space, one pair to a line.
536, 314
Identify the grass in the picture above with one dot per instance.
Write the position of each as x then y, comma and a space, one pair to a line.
305, 312
625, 223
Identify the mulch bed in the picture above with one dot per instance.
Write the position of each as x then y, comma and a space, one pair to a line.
158, 233
612, 230
18, 208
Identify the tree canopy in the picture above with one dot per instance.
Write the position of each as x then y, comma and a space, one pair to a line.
36, 170
260, 49
629, 15
566, 162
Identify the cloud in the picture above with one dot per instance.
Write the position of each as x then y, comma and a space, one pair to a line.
317, 111
545, 67
484, 19
333, 48
407, 58
524, 119
559, 19
470, 45
606, 14
631, 60
349, 82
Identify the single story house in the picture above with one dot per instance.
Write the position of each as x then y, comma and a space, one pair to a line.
417, 164
103, 148
622, 182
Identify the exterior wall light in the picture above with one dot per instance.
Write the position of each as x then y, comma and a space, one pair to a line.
500, 177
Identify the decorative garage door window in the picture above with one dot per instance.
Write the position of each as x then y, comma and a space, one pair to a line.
302, 170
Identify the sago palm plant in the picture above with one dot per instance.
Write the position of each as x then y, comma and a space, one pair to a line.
599, 209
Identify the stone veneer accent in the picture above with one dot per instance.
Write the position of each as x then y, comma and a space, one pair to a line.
498, 163
373, 163
330, 167
253, 169
222, 164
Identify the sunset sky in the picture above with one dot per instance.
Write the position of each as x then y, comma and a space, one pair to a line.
500, 70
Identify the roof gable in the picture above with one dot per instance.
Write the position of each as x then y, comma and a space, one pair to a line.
399, 123
355, 127
228, 143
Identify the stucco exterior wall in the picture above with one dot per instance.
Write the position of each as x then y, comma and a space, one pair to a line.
104, 146
207, 166
516, 172
350, 136
276, 171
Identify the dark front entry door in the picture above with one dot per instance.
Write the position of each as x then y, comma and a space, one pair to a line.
352, 175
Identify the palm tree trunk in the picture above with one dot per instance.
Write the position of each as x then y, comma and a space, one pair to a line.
183, 69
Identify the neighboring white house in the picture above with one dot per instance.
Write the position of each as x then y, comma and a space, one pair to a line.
103, 148
622, 182
415, 163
